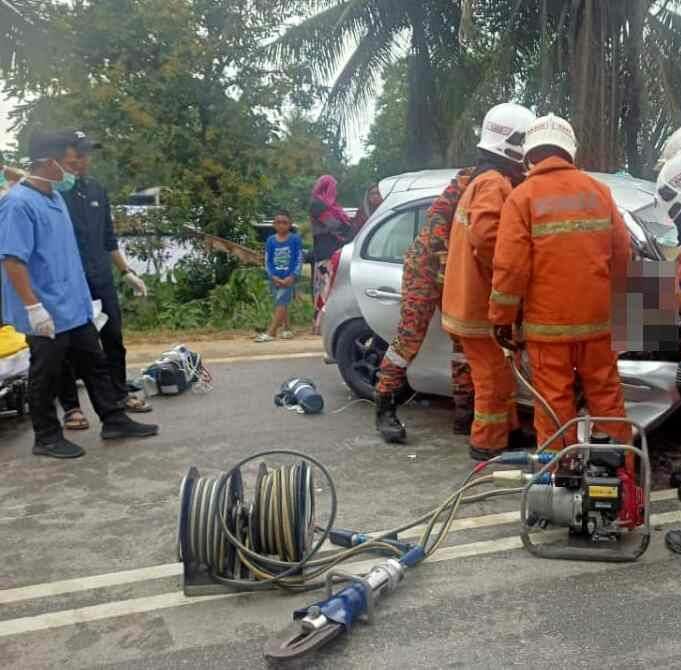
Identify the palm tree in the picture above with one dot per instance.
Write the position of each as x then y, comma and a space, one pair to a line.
611, 66
370, 34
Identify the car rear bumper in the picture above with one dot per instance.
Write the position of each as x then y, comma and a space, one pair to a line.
341, 306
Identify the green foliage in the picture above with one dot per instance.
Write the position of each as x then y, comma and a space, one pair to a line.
21, 33
387, 141
612, 68
174, 91
354, 40
244, 302
304, 151
358, 178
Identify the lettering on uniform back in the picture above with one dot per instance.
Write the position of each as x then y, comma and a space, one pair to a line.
560, 204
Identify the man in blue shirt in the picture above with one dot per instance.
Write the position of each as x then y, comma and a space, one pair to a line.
45, 295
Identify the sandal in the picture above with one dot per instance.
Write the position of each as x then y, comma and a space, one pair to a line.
137, 405
74, 419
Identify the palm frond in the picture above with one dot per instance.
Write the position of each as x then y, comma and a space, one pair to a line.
358, 80
323, 39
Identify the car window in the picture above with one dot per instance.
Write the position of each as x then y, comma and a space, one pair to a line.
421, 216
392, 238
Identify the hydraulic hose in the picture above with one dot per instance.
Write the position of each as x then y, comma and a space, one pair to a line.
270, 542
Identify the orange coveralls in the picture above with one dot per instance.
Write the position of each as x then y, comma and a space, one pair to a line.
561, 245
465, 303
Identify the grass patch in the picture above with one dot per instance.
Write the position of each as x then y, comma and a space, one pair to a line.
243, 304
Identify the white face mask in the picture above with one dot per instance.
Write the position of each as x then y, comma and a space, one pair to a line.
66, 183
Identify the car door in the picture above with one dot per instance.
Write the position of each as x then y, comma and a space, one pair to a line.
376, 277
376, 271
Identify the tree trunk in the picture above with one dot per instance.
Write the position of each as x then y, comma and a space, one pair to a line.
635, 91
615, 30
421, 114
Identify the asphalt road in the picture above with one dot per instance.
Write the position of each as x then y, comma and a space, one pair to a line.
87, 550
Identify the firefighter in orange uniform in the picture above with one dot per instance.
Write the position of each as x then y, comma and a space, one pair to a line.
561, 246
468, 279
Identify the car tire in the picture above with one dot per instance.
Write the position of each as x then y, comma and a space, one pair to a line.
359, 353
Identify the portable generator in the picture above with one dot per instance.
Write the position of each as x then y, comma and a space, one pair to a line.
599, 492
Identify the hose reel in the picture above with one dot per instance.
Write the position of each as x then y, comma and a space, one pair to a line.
227, 541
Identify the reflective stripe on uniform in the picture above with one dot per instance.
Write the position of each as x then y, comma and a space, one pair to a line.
576, 330
574, 226
504, 298
461, 216
395, 358
467, 328
484, 417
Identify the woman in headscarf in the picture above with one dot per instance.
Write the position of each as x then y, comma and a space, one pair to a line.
372, 201
331, 230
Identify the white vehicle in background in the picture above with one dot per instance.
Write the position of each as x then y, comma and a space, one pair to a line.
142, 202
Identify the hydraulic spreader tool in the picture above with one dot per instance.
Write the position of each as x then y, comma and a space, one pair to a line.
589, 501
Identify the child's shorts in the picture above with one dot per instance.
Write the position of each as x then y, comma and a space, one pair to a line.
282, 296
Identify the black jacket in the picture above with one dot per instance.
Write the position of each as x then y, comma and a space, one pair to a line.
90, 212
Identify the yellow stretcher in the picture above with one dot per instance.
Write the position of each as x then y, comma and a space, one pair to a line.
11, 342
14, 364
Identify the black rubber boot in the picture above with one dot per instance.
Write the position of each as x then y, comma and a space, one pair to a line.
122, 427
463, 420
387, 423
62, 448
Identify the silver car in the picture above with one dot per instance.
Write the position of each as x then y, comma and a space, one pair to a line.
363, 310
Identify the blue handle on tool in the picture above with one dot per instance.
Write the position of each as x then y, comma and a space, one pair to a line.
413, 556
525, 458
343, 607
342, 537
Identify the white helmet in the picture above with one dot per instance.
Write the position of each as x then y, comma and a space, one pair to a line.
670, 148
551, 130
668, 193
503, 130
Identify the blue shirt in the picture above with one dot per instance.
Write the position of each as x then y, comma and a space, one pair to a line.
36, 229
284, 259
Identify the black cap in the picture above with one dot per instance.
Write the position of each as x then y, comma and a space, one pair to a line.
80, 141
45, 144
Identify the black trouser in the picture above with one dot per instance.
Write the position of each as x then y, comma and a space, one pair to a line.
112, 343
82, 349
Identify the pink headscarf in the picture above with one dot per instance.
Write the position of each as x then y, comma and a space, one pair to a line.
325, 190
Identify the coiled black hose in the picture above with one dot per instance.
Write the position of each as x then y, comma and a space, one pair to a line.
274, 541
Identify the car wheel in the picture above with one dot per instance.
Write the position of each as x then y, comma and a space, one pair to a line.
359, 354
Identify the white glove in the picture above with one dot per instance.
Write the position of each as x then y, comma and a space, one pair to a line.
40, 320
138, 287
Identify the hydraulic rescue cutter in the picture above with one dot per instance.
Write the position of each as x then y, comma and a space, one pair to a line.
322, 622
231, 538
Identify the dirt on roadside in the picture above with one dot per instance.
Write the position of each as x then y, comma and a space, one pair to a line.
211, 346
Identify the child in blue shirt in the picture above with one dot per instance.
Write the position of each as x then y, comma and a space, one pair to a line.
283, 263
